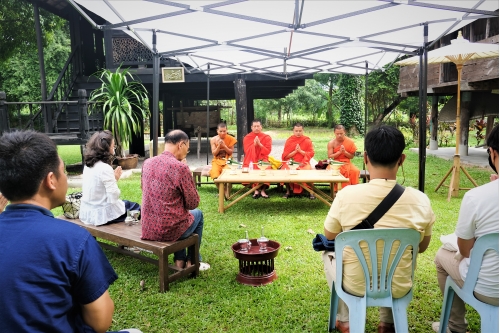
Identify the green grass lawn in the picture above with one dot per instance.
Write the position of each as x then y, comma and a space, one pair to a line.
298, 301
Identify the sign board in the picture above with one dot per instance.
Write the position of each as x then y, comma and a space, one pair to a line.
172, 74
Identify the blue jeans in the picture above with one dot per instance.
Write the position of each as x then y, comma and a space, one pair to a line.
195, 228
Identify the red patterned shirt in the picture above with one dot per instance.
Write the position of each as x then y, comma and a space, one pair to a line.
168, 193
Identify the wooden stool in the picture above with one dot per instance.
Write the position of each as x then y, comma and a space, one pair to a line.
199, 172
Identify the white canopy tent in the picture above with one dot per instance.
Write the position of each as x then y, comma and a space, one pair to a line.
287, 39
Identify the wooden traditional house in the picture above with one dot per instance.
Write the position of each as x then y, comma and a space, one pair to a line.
63, 110
478, 86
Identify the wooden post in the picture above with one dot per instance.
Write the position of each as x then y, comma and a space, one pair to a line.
43, 83
433, 144
83, 114
4, 117
240, 96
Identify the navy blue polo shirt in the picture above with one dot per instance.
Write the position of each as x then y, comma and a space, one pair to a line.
48, 268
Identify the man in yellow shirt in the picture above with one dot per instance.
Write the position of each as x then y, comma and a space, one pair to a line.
383, 156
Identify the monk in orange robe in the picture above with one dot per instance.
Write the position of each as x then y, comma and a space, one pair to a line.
222, 148
342, 149
257, 147
300, 148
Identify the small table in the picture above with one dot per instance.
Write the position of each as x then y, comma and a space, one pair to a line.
309, 177
256, 268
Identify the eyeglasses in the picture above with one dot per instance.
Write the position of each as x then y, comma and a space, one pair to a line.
186, 146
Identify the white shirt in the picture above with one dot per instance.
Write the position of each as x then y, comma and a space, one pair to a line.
479, 216
100, 195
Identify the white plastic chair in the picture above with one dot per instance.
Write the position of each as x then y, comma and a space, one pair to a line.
488, 313
378, 291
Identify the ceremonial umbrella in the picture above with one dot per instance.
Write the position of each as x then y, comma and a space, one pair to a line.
459, 51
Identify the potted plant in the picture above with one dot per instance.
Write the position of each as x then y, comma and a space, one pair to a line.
124, 105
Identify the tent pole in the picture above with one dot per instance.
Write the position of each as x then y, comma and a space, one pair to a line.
156, 88
366, 108
423, 112
208, 110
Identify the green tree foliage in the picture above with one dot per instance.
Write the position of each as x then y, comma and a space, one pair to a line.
382, 92
330, 82
309, 100
20, 74
17, 28
351, 115
19, 66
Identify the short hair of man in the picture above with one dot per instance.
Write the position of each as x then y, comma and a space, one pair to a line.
492, 140
384, 145
297, 124
26, 157
339, 127
176, 136
221, 125
256, 121
97, 148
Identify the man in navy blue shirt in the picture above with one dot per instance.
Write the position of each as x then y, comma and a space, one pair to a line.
54, 275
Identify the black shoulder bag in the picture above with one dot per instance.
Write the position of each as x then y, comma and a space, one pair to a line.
320, 243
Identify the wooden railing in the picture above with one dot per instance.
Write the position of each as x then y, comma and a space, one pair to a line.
28, 115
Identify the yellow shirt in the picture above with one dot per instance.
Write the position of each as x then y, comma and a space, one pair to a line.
354, 203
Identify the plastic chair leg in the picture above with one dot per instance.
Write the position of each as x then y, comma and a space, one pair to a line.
489, 321
400, 316
334, 303
449, 294
357, 316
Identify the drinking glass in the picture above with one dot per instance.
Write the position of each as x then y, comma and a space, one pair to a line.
262, 241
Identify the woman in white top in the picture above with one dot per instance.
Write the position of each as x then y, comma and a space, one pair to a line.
100, 203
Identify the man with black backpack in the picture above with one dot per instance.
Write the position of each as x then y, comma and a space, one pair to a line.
355, 208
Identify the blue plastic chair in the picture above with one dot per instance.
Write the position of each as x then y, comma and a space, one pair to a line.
488, 313
378, 291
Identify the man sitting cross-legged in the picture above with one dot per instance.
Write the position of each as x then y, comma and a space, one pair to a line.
257, 147
222, 148
53, 273
342, 149
383, 156
299, 148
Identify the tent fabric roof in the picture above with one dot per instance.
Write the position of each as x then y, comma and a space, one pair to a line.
286, 38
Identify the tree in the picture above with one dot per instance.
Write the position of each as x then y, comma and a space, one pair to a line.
351, 115
20, 74
383, 97
330, 81
17, 28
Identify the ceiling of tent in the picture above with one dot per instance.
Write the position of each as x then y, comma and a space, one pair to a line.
287, 38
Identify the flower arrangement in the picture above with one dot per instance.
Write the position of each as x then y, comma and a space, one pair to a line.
292, 162
230, 161
333, 162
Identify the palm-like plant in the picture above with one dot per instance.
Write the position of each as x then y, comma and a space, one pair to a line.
124, 103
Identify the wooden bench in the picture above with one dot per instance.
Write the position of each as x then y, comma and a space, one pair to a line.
130, 236
365, 175
202, 172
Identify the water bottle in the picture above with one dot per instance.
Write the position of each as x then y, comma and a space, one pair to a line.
250, 166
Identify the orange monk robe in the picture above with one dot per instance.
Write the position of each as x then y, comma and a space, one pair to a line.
348, 170
255, 153
218, 162
306, 145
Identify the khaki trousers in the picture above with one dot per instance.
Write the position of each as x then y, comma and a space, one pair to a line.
447, 265
343, 311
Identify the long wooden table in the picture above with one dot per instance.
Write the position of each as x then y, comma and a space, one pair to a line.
309, 177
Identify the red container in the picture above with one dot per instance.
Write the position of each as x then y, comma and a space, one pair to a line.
256, 268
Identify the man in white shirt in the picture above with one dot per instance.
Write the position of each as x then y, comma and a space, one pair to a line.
478, 216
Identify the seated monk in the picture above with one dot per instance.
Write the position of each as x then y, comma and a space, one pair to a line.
300, 148
257, 147
342, 149
222, 148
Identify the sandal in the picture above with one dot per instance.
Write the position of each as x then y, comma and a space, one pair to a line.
286, 196
265, 196
256, 196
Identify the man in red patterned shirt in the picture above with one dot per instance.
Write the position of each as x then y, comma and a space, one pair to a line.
169, 198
